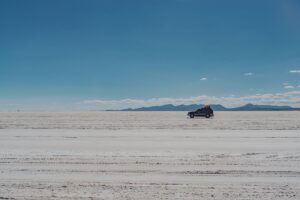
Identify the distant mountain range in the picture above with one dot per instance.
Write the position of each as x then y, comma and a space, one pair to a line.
216, 107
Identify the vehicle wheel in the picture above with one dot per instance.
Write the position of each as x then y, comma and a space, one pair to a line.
207, 116
191, 115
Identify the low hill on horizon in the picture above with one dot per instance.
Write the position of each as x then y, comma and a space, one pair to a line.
215, 107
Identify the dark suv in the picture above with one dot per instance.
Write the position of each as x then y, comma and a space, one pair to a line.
202, 112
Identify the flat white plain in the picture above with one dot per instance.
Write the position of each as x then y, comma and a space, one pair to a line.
149, 155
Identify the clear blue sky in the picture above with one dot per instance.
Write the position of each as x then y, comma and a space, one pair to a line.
60, 52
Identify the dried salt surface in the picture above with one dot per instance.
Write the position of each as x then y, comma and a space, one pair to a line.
154, 155
151, 120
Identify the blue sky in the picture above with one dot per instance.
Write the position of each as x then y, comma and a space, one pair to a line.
89, 55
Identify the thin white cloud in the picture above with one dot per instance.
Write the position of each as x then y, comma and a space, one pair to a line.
295, 71
203, 79
289, 87
291, 98
248, 74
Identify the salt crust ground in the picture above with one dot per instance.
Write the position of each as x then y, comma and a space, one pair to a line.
149, 156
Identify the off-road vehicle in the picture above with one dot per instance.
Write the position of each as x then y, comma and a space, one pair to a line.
206, 111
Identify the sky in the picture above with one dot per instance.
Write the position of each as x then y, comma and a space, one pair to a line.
71, 55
